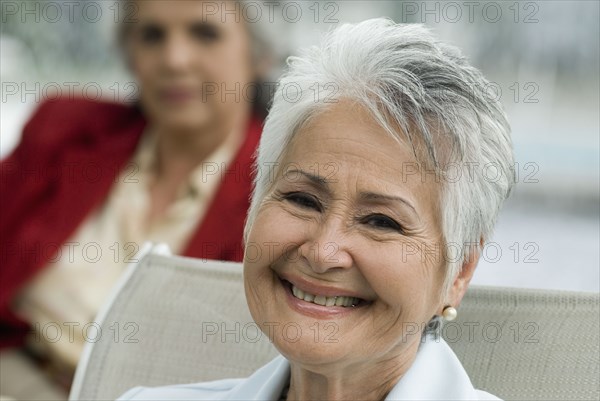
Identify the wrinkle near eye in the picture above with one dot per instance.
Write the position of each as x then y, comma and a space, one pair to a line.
303, 200
298, 211
385, 222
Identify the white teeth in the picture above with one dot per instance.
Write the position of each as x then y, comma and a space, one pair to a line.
346, 301
298, 293
323, 300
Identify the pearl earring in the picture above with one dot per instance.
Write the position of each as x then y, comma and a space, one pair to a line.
449, 313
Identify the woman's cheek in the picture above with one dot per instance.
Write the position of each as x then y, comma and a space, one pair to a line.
281, 235
263, 235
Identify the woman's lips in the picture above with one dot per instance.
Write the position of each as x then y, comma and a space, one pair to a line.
177, 95
315, 310
317, 289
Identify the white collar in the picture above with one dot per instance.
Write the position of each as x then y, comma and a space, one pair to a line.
436, 374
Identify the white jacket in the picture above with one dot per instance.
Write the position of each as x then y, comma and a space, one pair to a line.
436, 374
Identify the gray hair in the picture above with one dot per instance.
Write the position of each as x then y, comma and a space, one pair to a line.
419, 90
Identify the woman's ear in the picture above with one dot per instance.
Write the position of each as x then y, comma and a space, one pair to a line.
462, 280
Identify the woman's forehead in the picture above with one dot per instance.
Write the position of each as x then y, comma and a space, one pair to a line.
178, 11
345, 142
347, 130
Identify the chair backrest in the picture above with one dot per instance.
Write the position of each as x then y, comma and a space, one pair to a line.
524, 344
180, 320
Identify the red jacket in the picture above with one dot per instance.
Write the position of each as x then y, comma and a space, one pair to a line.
69, 157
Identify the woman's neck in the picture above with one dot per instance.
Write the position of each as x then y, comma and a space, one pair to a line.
178, 153
372, 380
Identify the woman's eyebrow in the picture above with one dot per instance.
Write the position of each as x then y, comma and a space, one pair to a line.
315, 179
377, 197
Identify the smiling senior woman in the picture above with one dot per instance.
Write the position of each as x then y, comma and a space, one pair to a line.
354, 236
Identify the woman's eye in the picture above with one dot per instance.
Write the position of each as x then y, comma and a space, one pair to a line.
303, 200
205, 32
151, 34
383, 222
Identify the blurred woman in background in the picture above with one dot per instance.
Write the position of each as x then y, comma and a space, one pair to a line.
175, 168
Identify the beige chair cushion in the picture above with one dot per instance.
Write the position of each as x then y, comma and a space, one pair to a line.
181, 320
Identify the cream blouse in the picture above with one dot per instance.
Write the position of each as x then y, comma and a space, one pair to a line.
66, 295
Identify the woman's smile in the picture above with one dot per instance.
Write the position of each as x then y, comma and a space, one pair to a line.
320, 301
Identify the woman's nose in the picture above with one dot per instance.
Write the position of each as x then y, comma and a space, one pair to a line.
178, 54
328, 248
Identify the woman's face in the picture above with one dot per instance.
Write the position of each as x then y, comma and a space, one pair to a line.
185, 55
343, 220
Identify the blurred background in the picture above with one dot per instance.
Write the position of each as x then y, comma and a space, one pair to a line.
542, 58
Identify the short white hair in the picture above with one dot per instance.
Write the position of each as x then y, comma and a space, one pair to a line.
420, 91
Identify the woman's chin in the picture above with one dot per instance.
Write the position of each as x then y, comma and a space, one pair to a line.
307, 351
182, 122
310, 341
184, 127
193, 117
